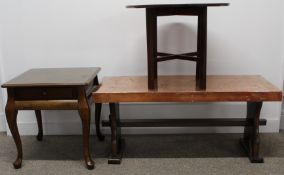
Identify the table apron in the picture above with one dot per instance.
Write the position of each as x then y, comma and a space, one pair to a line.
47, 105
45, 93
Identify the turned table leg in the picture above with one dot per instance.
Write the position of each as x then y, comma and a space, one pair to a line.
84, 111
11, 116
251, 139
39, 124
117, 143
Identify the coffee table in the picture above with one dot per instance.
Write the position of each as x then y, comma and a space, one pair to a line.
250, 89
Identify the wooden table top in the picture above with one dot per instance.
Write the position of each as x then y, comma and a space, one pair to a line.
54, 77
178, 5
182, 89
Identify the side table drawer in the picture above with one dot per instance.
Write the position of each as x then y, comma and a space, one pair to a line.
48, 93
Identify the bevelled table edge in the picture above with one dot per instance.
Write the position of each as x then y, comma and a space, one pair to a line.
11, 85
187, 98
178, 5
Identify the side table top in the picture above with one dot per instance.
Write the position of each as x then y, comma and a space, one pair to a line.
178, 5
54, 77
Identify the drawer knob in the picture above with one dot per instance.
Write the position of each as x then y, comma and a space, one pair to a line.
44, 93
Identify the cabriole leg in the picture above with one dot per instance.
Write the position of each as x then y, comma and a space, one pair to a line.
11, 116
39, 124
84, 111
100, 136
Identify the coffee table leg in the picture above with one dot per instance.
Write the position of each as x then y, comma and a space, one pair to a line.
98, 109
251, 139
11, 116
39, 124
84, 111
98, 120
117, 144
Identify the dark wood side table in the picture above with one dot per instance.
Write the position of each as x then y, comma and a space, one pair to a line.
152, 12
53, 89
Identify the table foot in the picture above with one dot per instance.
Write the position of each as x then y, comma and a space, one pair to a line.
39, 137
253, 159
90, 164
256, 159
116, 159
101, 137
18, 163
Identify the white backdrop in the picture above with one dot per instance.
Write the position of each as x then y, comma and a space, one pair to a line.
244, 38
282, 116
2, 115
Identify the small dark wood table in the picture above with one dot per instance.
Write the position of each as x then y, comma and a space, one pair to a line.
53, 89
253, 90
152, 12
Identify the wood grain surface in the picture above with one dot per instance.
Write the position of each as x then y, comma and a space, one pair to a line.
182, 89
50, 77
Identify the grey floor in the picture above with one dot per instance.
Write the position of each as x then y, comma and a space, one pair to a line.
153, 154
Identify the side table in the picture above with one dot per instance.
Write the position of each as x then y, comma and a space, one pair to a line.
200, 56
53, 89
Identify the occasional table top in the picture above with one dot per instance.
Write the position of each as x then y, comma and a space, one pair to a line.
54, 77
178, 5
182, 89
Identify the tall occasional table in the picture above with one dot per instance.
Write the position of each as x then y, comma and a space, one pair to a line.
152, 12
52, 89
